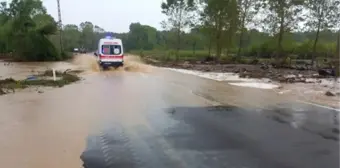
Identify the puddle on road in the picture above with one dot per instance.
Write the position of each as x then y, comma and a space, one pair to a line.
321, 121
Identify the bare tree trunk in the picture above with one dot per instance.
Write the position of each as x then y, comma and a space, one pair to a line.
240, 46
210, 44
279, 53
194, 48
281, 14
218, 50
315, 43
218, 45
178, 44
219, 40
179, 35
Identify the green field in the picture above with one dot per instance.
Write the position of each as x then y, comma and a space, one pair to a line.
170, 55
188, 55
185, 55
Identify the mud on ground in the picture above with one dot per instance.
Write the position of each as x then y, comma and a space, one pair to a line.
309, 85
282, 75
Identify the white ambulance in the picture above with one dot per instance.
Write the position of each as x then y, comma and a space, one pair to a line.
110, 52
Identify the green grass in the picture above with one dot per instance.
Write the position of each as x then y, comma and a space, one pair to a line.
170, 55
184, 55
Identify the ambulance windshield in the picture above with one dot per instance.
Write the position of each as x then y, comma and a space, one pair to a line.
111, 49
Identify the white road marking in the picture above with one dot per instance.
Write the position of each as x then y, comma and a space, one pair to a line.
318, 105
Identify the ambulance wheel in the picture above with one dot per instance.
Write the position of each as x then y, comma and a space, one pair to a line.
104, 67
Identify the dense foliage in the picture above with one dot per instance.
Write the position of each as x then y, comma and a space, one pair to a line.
304, 29
25, 27
28, 33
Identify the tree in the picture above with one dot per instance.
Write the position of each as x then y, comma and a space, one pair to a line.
138, 36
30, 26
335, 24
222, 18
4, 13
87, 35
4, 28
30, 33
207, 29
280, 17
247, 10
98, 29
193, 39
71, 37
323, 14
180, 13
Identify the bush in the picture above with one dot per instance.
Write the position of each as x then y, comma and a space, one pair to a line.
66, 55
300, 50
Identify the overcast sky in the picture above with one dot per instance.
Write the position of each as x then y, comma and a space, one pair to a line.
112, 15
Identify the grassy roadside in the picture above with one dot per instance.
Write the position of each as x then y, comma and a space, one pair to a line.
163, 57
9, 85
169, 56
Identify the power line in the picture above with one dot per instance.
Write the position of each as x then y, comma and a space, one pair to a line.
60, 25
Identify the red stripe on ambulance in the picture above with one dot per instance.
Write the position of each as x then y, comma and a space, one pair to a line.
111, 56
111, 43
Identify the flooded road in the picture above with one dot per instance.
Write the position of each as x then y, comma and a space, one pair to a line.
139, 116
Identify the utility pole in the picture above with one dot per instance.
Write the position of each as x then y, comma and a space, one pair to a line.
60, 25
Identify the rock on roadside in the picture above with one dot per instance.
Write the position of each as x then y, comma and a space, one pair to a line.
329, 93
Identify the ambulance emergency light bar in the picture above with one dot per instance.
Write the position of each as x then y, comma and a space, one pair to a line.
109, 36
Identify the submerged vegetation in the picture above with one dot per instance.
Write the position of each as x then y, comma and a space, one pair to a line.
44, 79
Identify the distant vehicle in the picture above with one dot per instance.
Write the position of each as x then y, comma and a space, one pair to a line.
110, 52
75, 50
82, 50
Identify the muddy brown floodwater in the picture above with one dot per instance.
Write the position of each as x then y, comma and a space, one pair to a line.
49, 129
140, 116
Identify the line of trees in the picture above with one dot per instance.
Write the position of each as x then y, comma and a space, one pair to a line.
264, 28
304, 29
255, 28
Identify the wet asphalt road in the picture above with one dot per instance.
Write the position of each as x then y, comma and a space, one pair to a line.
164, 119
167, 124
